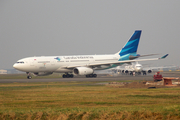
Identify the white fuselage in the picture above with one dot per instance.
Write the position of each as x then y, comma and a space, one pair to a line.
82, 64
134, 68
138, 68
60, 63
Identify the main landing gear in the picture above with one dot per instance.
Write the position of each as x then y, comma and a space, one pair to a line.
144, 72
91, 75
67, 75
29, 75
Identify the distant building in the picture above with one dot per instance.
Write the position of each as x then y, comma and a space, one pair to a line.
3, 71
10, 71
14, 71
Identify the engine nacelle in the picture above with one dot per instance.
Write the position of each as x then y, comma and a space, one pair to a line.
126, 71
43, 73
83, 71
149, 71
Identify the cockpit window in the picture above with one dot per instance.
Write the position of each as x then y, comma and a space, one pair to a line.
20, 62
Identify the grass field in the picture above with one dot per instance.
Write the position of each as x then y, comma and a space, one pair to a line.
86, 100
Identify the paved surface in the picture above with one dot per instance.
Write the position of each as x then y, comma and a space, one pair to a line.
100, 77
117, 78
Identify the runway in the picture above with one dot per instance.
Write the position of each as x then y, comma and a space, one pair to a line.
100, 78
77, 79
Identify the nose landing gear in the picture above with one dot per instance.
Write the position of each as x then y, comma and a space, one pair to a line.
28, 75
144, 72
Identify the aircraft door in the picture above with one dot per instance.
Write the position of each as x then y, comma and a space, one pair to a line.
32, 62
91, 60
53, 62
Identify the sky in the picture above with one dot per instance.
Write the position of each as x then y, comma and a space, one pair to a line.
87, 27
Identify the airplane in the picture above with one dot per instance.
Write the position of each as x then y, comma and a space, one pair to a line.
134, 68
137, 68
81, 64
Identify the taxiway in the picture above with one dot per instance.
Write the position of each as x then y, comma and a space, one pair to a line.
77, 79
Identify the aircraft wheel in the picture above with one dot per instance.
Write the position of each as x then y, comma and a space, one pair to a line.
91, 75
144, 73
64, 76
29, 77
130, 73
71, 75
68, 75
87, 76
95, 75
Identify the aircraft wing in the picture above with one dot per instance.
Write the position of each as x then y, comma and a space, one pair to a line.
116, 63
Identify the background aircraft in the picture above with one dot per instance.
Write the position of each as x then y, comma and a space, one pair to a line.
137, 69
133, 69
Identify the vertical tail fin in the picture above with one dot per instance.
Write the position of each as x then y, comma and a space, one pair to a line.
131, 46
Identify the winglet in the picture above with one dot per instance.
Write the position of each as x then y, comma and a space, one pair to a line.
164, 56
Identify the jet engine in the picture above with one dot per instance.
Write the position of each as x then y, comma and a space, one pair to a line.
126, 71
149, 71
43, 73
83, 71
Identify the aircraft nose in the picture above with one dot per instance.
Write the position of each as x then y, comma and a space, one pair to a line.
15, 66
139, 68
18, 67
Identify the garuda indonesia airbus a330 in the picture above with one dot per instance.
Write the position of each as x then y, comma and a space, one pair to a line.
81, 64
